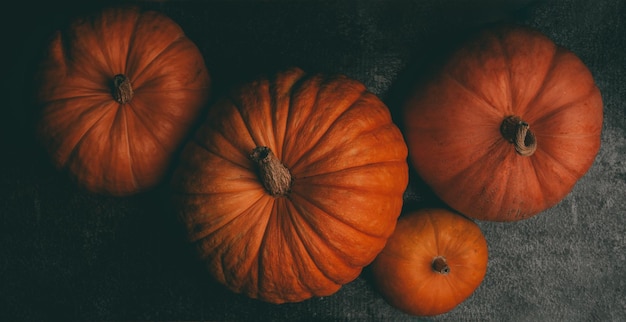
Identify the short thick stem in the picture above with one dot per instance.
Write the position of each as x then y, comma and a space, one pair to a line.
440, 265
517, 131
122, 90
274, 176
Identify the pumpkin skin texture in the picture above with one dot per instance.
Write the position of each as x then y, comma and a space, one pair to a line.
337, 172
508, 125
434, 260
119, 90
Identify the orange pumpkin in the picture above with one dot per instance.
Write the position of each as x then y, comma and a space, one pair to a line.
292, 185
507, 126
434, 261
119, 90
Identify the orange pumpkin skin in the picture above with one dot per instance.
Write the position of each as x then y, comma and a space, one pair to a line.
433, 261
463, 125
348, 172
119, 139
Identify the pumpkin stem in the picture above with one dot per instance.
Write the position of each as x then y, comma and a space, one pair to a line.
440, 265
275, 177
122, 90
517, 131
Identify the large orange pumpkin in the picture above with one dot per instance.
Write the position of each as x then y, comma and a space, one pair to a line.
507, 126
434, 261
292, 185
119, 90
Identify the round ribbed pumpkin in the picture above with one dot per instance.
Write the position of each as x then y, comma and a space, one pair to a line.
434, 261
507, 126
119, 90
292, 185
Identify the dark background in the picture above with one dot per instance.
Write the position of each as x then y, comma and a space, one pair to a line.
66, 254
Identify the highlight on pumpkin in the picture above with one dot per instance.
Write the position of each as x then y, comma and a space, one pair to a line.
118, 92
434, 261
507, 126
291, 185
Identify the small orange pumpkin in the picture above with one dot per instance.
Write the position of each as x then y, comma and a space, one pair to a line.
292, 185
434, 261
119, 90
507, 127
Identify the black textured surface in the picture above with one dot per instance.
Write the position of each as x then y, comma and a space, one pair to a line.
70, 255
